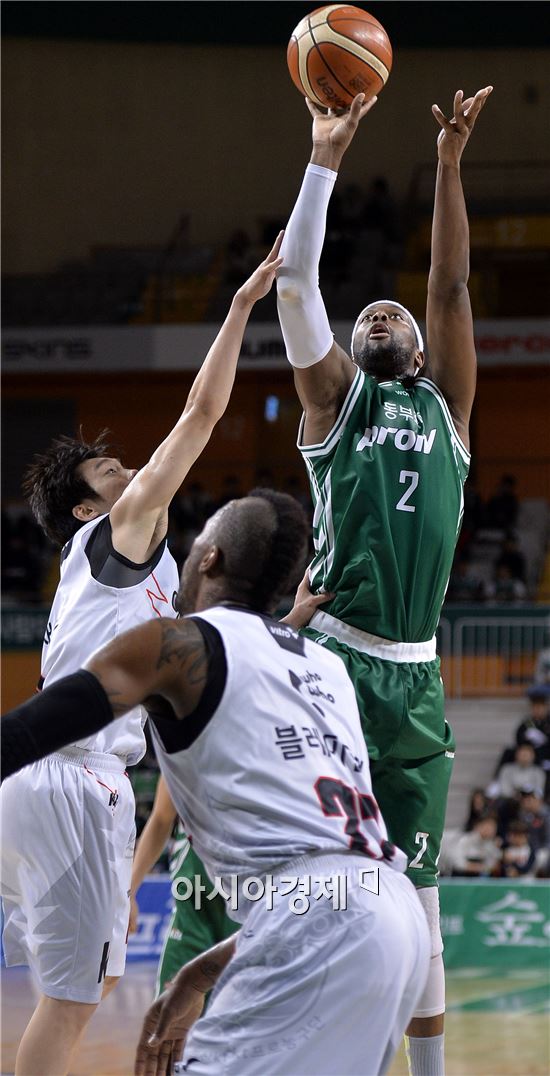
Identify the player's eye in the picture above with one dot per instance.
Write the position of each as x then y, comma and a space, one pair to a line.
395, 314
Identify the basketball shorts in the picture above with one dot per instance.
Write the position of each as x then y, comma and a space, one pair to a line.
68, 842
197, 923
411, 749
329, 990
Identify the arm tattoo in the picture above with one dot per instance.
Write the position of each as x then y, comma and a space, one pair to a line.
185, 648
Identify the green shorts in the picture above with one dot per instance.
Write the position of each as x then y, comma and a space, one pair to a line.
192, 929
411, 749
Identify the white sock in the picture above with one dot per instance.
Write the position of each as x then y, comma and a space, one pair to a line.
426, 1057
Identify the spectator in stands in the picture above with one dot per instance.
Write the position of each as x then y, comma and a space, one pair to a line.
520, 774
513, 557
542, 667
534, 729
502, 509
477, 809
518, 857
478, 853
536, 816
504, 588
464, 586
473, 515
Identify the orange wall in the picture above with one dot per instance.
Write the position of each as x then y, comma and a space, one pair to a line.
20, 673
510, 429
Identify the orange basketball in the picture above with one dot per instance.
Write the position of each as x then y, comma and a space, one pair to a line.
337, 52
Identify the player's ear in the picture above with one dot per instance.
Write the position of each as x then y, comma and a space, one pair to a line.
419, 361
210, 561
85, 512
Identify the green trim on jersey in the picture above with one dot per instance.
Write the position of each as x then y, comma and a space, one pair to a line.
387, 486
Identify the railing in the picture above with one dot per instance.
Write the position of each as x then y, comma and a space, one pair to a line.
490, 656
483, 653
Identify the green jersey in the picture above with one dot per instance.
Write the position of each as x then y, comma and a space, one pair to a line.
387, 486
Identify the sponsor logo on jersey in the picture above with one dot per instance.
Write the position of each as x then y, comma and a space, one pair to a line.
405, 440
286, 638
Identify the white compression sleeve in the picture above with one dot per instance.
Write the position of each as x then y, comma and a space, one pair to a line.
304, 322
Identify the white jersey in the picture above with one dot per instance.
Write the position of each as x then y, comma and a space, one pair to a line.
272, 765
100, 595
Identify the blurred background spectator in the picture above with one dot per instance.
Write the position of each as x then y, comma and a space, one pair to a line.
478, 853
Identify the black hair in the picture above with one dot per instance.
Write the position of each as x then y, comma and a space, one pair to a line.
53, 487
263, 551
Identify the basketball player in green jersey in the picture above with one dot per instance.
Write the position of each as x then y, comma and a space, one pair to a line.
385, 441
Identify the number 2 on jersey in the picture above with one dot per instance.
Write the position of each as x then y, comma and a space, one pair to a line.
402, 504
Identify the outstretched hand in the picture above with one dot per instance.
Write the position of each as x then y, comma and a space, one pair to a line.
456, 132
305, 605
261, 280
334, 130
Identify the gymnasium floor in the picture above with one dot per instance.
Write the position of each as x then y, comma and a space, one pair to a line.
495, 1026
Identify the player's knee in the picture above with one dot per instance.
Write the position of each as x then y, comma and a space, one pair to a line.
67, 1014
431, 1002
109, 984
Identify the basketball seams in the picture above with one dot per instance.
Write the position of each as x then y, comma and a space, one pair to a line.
316, 58
360, 52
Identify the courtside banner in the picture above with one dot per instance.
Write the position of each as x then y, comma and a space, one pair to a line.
492, 923
183, 347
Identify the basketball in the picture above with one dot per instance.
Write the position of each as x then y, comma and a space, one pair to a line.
337, 52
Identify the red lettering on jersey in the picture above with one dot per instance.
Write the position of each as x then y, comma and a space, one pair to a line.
159, 596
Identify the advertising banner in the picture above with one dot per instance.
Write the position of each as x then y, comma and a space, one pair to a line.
183, 347
491, 923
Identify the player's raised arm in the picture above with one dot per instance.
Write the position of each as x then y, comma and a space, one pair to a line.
162, 657
140, 514
449, 314
322, 370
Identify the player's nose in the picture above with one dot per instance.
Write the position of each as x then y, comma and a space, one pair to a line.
379, 315
131, 473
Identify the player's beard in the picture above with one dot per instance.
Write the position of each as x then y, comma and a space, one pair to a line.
386, 360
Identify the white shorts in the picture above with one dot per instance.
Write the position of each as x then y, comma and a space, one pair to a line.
68, 833
329, 991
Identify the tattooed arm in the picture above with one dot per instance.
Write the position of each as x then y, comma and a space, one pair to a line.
162, 657
169, 1019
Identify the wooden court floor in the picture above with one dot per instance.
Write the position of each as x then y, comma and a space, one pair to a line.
495, 1026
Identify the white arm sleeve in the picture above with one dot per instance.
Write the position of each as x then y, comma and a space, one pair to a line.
304, 322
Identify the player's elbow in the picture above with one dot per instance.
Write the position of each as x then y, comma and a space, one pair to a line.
448, 288
292, 289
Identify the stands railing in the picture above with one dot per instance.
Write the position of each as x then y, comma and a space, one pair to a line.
490, 655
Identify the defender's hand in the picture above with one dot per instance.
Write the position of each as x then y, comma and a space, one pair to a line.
305, 605
456, 132
165, 1028
262, 278
334, 130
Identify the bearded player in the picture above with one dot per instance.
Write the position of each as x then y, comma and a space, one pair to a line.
386, 445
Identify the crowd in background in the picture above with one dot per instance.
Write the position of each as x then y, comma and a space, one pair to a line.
507, 829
